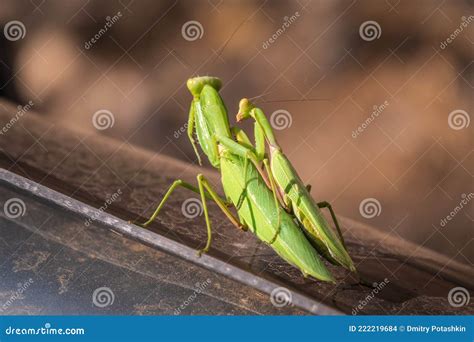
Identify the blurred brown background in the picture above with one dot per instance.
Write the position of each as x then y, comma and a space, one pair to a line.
132, 58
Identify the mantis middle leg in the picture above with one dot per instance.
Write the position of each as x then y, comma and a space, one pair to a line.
327, 205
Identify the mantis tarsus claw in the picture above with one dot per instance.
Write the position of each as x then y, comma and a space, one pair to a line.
201, 252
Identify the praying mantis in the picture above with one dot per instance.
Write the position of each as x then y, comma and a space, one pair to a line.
276, 210
293, 194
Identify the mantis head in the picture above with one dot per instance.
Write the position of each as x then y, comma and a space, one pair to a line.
245, 109
196, 84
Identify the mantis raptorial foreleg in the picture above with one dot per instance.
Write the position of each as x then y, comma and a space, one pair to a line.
191, 123
203, 186
242, 138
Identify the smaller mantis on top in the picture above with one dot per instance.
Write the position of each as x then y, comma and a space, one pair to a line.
293, 195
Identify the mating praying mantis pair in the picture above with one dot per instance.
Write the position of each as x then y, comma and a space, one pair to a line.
261, 184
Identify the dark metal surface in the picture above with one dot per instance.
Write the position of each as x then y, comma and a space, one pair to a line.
60, 263
91, 168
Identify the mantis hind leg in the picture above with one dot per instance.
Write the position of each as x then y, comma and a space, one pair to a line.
327, 205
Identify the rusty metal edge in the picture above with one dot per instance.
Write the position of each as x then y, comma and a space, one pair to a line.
160, 242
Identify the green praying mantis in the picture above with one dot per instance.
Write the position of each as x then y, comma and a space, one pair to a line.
293, 194
263, 187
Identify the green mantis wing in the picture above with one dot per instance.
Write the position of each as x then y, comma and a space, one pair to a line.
307, 212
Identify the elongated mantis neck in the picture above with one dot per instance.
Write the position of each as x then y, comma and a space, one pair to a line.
262, 121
